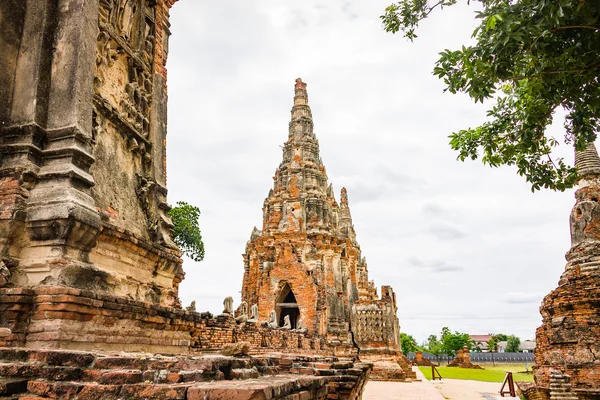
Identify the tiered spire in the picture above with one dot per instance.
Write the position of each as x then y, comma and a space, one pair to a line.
301, 198
301, 108
587, 162
302, 145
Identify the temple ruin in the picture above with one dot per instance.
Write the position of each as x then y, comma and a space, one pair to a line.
89, 273
306, 264
567, 356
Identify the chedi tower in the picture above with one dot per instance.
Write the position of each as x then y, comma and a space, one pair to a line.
568, 345
306, 264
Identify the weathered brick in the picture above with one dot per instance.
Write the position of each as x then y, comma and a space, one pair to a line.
163, 392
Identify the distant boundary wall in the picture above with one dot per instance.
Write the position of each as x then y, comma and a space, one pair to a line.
481, 357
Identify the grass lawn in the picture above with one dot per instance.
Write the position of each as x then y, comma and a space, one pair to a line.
488, 374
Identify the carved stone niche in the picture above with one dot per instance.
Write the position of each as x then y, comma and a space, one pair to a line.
124, 66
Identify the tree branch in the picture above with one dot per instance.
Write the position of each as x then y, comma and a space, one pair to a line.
441, 2
558, 71
562, 28
550, 158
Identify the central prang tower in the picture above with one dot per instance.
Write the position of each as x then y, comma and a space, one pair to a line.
306, 264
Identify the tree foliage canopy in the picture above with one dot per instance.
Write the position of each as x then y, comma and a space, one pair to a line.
408, 343
452, 342
500, 337
434, 346
531, 57
513, 344
186, 232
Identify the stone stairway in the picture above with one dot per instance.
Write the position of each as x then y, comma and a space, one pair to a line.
72, 375
560, 387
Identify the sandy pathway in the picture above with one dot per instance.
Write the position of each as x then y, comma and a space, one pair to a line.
447, 389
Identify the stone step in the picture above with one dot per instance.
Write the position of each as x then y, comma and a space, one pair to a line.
121, 377
343, 364
325, 365
94, 391
54, 390
62, 358
39, 370
269, 387
302, 370
113, 377
274, 387
153, 391
205, 363
244, 373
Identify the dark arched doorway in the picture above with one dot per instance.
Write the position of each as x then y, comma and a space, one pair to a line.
286, 305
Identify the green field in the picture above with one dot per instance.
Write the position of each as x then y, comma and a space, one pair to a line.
488, 374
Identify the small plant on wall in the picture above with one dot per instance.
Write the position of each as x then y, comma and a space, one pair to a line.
186, 231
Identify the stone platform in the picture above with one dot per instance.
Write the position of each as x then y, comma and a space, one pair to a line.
59, 374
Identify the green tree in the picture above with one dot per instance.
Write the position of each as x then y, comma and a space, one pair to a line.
434, 346
452, 342
531, 57
186, 232
491, 345
513, 344
500, 337
408, 343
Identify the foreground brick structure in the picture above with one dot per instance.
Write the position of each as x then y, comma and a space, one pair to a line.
306, 264
568, 342
87, 263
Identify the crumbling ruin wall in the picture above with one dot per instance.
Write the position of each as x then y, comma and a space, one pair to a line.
376, 331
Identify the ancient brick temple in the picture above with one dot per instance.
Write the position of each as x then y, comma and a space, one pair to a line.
306, 264
568, 342
88, 268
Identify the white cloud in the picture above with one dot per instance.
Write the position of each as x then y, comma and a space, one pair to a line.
446, 231
434, 266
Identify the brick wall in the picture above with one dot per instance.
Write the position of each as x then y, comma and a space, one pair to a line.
68, 318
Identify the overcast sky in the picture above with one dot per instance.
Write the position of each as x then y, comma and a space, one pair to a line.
463, 245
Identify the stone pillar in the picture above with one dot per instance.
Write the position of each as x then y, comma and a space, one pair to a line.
46, 138
62, 220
